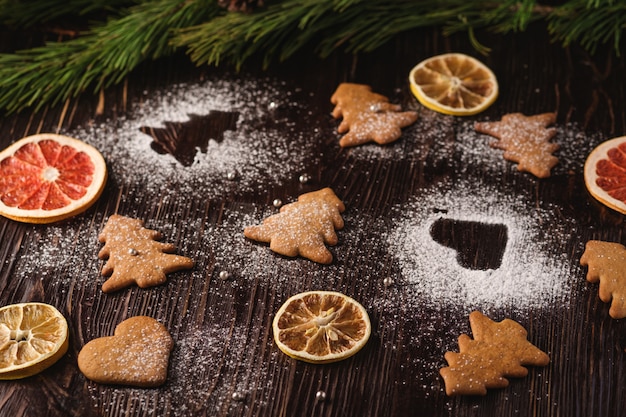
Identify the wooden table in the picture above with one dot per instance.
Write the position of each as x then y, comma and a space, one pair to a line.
225, 362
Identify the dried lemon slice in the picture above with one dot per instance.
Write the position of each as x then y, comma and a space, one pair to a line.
455, 84
33, 336
321, 327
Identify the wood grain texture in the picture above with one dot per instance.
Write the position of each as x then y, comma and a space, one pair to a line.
396, 373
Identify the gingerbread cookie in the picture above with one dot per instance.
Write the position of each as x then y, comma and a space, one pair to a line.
302, 227
607, 265
497, 351
137, 354
134, 255
367, 116
525, 140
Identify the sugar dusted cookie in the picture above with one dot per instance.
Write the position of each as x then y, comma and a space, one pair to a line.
607, 265
498, 350
303, 227
368, 116
136, 355
525, 140
134, 256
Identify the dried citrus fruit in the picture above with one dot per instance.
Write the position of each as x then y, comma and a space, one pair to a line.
46, 178
605, 173
33, 336
321, 327
455, 84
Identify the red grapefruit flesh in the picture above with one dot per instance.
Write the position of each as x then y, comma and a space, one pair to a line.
47, 178
605, 173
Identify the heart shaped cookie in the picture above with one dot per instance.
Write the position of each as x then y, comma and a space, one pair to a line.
137, 354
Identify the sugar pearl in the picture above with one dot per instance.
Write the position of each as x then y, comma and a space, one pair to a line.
320, 396
237, 396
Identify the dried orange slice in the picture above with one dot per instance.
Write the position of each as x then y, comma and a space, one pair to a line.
605, 173
47, 178
321, 327
33, 336
455, 84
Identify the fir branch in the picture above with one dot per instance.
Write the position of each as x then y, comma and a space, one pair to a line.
234, 37
501, 17
97, 59
598, 22
27, 14
283, 28
149, 29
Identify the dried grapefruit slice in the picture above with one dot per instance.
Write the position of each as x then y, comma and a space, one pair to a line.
605, 173
321, 327
47, 177
454, 83
33, 336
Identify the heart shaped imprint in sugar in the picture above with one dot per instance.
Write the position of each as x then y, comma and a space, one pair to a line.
137, 354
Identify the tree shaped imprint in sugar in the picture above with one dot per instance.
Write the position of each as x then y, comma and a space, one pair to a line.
607, 265
367, 116
525, 140
303, 227
134, 256
497, 351
183, 140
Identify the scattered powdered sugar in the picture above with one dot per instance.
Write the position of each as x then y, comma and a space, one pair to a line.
532, 272
203, 362
60, 255
473, 148
255, 155
443, 138
417, 140
248, 261
530, 275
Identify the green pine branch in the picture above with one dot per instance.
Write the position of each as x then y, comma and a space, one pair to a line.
25, 14
141, 30
286, 27
595, 23
97, 59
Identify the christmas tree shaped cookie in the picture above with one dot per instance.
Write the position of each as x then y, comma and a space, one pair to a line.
367, 116
134, 256
303, 227
525, 140
498, 350
607, 265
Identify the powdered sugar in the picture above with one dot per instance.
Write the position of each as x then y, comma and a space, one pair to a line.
203, 361
527, 277
254, 156
470, 150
